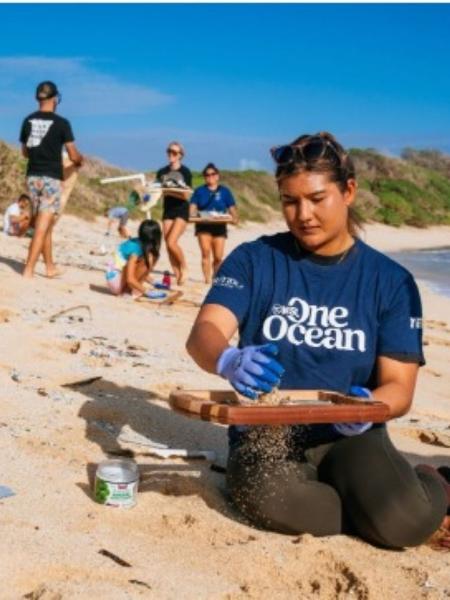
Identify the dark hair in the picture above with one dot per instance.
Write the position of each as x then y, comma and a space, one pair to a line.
24, 197
149, 235
210, 166
335, 162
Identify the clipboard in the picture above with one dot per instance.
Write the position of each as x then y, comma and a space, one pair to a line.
212, 220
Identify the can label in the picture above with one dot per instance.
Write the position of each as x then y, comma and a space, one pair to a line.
115, 494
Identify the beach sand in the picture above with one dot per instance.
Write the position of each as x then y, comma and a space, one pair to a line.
182, 539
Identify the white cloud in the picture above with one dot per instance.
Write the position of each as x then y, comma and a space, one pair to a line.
31, 63
246, 164
87, 91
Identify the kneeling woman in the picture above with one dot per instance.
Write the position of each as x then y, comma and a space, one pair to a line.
317, 308
212, 197
134, 260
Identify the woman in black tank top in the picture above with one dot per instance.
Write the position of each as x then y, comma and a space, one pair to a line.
176, 207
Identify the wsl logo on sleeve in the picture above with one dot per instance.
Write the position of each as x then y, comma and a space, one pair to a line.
314, 326
227, 282
415, 322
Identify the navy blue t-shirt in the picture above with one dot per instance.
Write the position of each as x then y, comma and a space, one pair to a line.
219, 201
330, 321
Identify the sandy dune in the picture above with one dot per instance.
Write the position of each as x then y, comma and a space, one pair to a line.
182, 540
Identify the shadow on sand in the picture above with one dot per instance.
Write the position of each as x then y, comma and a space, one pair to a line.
100, 289
15, 265
111, 408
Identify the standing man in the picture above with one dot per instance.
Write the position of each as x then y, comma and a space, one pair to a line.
43, 136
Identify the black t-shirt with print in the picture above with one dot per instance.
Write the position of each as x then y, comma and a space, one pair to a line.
182, 174
44, 134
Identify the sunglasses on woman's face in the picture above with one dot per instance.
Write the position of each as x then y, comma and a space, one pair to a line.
313, 149
173, 151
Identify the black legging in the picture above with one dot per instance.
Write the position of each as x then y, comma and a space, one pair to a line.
359, 485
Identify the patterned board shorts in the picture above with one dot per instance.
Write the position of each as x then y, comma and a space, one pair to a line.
45, 193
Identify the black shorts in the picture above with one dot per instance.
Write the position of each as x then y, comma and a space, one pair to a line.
214, 229
174, 208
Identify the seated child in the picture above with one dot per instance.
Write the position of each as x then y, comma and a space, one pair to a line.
134, 260
17, 217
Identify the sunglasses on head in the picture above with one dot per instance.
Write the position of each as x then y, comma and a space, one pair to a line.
57, 97
172, 151
313, 149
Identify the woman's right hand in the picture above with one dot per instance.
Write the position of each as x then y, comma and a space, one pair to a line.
251, 370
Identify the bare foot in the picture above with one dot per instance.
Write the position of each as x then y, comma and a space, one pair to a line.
183, 276
54, 273
445, 529
27, 274
177, 274
440, 540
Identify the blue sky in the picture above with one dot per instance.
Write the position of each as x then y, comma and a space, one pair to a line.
229, 81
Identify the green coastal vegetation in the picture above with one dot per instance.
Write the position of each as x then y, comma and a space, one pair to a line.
413, 189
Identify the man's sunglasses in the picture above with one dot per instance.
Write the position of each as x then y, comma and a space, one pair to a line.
172, 151
211, 174
311, 150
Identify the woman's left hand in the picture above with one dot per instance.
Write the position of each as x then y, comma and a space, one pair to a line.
349, 429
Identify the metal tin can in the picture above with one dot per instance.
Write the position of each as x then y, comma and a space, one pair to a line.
116, 483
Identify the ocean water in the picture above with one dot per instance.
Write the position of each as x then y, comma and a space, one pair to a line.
430, 266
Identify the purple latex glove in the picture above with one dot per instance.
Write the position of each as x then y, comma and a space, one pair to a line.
251, 370
350, 429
